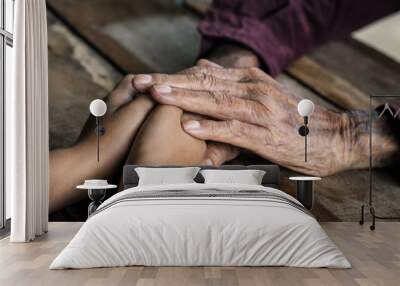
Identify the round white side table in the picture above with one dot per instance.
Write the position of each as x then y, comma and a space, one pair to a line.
305, 192
96, 194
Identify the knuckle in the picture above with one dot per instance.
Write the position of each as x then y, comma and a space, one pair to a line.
158, 78
128, 77
194, 77
189, 70
212, 128
201, 62
213, 96
259, 74
235, 127
202, 77
255, 114
256, 89
221, 98
214, 155
194, 70
255, 71
210, 81
202, 72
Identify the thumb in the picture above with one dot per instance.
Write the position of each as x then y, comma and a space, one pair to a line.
219, 153
122, 94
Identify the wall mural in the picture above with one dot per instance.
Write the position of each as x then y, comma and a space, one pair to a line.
79, 74
383, 182
390, 110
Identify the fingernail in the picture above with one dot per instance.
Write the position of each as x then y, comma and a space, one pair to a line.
208, 162
142, 79
162, 88
191, 125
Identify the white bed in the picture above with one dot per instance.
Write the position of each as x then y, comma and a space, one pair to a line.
201, 224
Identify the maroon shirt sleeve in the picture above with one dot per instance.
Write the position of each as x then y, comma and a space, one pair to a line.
279, 31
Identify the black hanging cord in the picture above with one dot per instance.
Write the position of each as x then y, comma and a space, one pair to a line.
305, 138
98, 138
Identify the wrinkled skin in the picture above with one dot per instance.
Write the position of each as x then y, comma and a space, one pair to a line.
158, 138
253, 111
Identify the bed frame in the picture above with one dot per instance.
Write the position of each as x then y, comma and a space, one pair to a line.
271, 178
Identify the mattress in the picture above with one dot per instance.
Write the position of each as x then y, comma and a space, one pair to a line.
201, 225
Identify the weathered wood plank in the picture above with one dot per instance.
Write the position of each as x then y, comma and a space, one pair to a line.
301, 90
137, 36
199, 7
327, 84
77, 75
366, 69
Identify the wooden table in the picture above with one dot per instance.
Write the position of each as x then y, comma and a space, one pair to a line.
93, 42
375, 257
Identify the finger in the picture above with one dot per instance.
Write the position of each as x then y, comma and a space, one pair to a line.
200, 77
219, 153
192, 116
200, 63
207, 63
234, 74
232, 132
237, 75
121, 95
220, 105
192, 80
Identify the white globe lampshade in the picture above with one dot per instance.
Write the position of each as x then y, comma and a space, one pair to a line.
98, 107
305, 107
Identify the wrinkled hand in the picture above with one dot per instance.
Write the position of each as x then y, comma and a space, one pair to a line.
216, 153
255, 112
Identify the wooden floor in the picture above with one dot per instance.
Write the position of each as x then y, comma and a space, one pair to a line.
374, 255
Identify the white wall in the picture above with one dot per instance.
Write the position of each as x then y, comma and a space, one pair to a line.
383, 35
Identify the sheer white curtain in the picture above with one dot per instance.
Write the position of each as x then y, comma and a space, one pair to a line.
27, 124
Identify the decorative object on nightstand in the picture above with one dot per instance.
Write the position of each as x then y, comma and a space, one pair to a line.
98, 108
305, 192
305, 109
96, 191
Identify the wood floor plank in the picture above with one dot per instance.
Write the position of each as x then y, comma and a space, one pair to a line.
368, 252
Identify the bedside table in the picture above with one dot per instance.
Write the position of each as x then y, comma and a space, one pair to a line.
305, 192
96, 194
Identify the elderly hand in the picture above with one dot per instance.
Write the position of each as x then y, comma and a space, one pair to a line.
255, 112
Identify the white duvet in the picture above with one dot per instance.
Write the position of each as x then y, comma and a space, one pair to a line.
188, 231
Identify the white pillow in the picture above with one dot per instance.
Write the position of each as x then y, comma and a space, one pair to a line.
162, 176
248, 177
